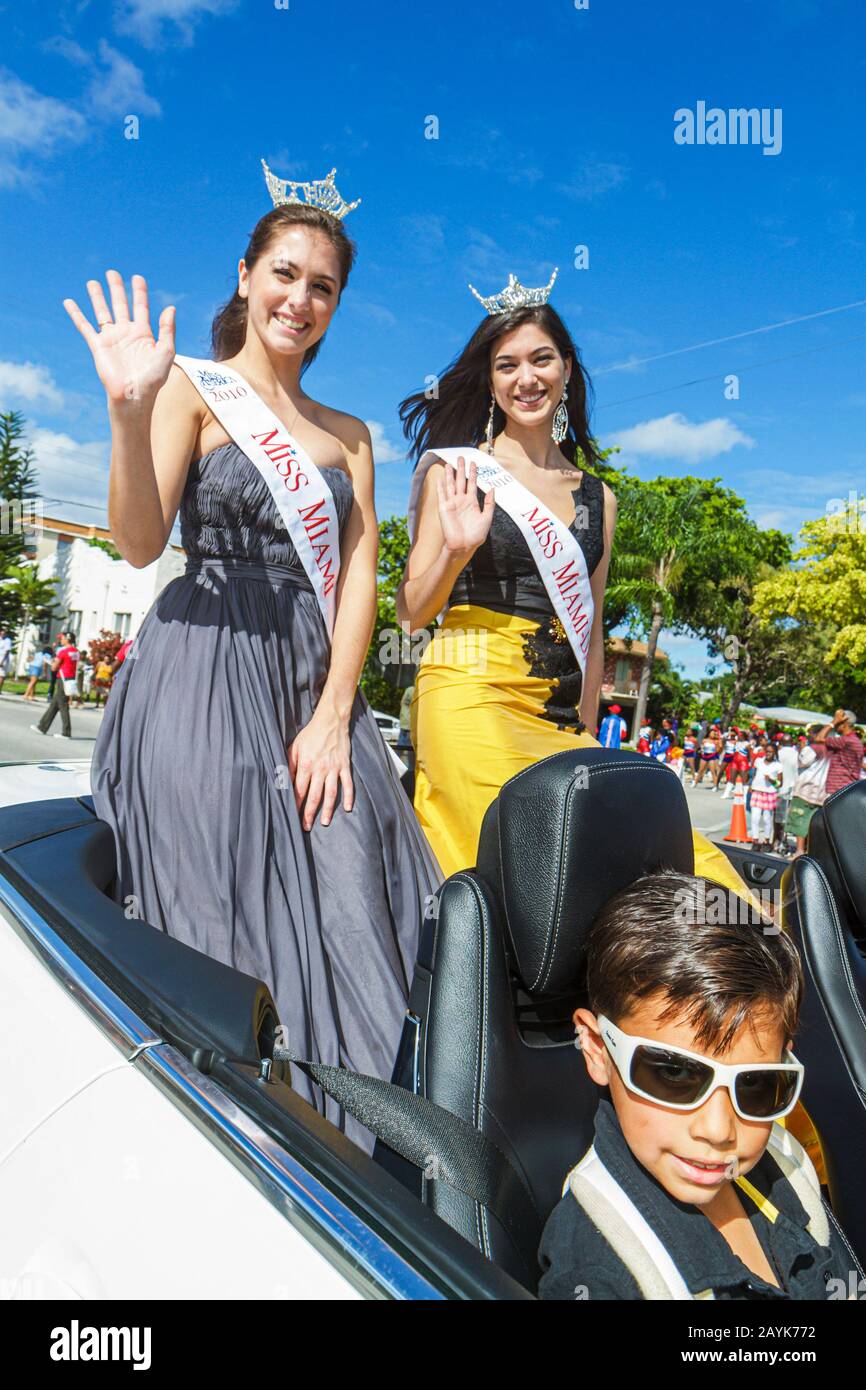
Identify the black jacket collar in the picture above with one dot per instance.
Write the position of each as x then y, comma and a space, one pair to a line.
701, 1253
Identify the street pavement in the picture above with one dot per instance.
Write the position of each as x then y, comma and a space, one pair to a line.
710, 814
21, 744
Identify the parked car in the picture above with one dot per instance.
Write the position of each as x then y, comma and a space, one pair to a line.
151, 1143
388, 724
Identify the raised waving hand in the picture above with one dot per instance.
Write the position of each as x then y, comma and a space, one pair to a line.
130, 363
464, 524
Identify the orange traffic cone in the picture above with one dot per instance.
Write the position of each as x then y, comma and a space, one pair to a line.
739, 833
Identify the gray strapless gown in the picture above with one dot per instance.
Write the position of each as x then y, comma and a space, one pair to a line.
190, 771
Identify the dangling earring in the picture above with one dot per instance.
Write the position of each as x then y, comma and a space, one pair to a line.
490, 424
560, 419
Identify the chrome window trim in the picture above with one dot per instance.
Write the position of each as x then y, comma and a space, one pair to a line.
356, 1251
367, 1261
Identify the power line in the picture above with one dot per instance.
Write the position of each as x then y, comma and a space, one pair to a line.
699, 380
621, 366
731, 337
68, 502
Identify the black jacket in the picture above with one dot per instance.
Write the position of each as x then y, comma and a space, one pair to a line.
577, 1261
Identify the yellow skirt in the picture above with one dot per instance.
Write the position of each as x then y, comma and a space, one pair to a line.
477, 720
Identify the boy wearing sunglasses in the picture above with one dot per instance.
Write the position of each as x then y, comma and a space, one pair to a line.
692, 1187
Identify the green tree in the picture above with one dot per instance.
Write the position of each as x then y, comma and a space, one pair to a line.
826, 585
687, 555
383, 682
99, 544
18, 489
718, 601
772, 666
667, 534
670, 693
25, 596
615, 609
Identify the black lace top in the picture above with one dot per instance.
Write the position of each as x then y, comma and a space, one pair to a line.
502, 575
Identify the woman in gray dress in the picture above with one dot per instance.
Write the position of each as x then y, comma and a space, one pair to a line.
257, 813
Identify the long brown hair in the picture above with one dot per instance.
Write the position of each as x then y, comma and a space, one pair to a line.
229, 328
458, 415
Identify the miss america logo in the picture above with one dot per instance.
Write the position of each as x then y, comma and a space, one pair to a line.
211, 379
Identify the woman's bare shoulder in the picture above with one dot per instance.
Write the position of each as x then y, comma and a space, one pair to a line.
351, 432
609, 496
178, 395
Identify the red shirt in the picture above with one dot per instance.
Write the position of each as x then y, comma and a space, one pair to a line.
122, 650
68, 662
845, 752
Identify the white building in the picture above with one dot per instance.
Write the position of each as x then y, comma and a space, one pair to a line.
94, 591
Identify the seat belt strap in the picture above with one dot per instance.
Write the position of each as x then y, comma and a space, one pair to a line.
627, 1231
799, 1169
445, 1147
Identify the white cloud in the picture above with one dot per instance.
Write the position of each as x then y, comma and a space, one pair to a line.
67, 48
36, 125
369, 309
780, 518
73, 473
119, 89
675, 437
155, 22
28, 381
482, 255
31, 123
383, 450
774, 485
593, 179
426, 232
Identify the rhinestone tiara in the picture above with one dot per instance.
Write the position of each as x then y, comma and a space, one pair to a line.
515, 295
321, 193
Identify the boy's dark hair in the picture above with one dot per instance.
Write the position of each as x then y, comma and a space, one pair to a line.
684, 936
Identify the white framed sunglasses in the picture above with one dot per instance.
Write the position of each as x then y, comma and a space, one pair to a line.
683, 1080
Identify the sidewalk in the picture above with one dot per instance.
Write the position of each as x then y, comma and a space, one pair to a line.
45, 700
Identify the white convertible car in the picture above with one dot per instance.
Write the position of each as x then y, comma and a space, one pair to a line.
152, 1146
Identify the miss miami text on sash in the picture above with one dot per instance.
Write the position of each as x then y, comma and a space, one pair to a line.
301, 495
557, 555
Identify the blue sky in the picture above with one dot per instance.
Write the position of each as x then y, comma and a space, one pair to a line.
555, 130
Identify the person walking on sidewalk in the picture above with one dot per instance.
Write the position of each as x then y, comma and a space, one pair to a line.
64, 665
35, 671
5, 654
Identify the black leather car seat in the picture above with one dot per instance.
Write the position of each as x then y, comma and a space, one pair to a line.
824, 908
493, 1010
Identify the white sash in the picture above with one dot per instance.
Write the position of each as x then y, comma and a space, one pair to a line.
301, 495
557, 555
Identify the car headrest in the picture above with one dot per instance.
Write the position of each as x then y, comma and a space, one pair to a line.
837, 840
565, 835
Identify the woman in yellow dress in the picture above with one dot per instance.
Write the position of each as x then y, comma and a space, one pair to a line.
511, 674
